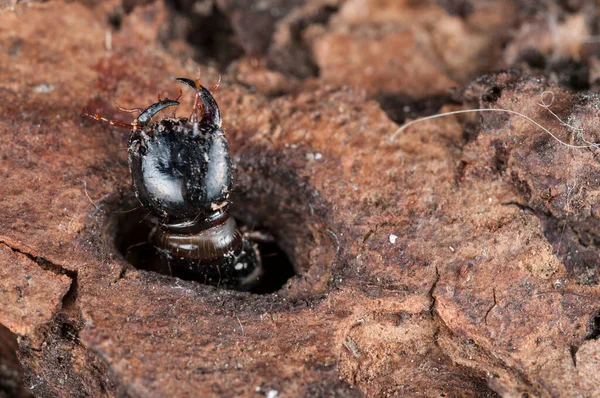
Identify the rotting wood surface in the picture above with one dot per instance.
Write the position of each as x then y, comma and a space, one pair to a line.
459, 259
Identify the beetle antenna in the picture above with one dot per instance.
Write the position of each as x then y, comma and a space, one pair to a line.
112, 122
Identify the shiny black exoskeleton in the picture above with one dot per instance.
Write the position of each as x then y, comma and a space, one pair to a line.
182, 174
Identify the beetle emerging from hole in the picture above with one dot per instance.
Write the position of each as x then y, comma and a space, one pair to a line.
182, 175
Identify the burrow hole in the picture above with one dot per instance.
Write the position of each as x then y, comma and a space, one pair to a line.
131, 240
593, 328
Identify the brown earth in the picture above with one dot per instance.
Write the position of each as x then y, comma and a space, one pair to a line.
458, 257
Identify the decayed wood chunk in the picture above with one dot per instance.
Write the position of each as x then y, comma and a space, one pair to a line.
30, 295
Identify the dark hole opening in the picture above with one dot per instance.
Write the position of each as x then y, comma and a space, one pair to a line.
593, 329
69, 332
571, 73
208, 31
133, 230
399, 108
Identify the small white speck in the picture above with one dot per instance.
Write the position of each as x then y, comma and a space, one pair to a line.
257, 388
239, 266
108, 40
217, 206
393, 238
451, 248
490, 200
43, 88
318, 156
271, 394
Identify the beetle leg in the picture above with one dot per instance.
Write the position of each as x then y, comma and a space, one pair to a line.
259, 237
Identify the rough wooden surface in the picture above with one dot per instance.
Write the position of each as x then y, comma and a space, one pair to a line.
459, 258
36, 294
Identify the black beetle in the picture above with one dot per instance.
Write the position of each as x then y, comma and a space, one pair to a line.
183, 174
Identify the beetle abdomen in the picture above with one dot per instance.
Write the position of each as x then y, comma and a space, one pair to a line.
219, 255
